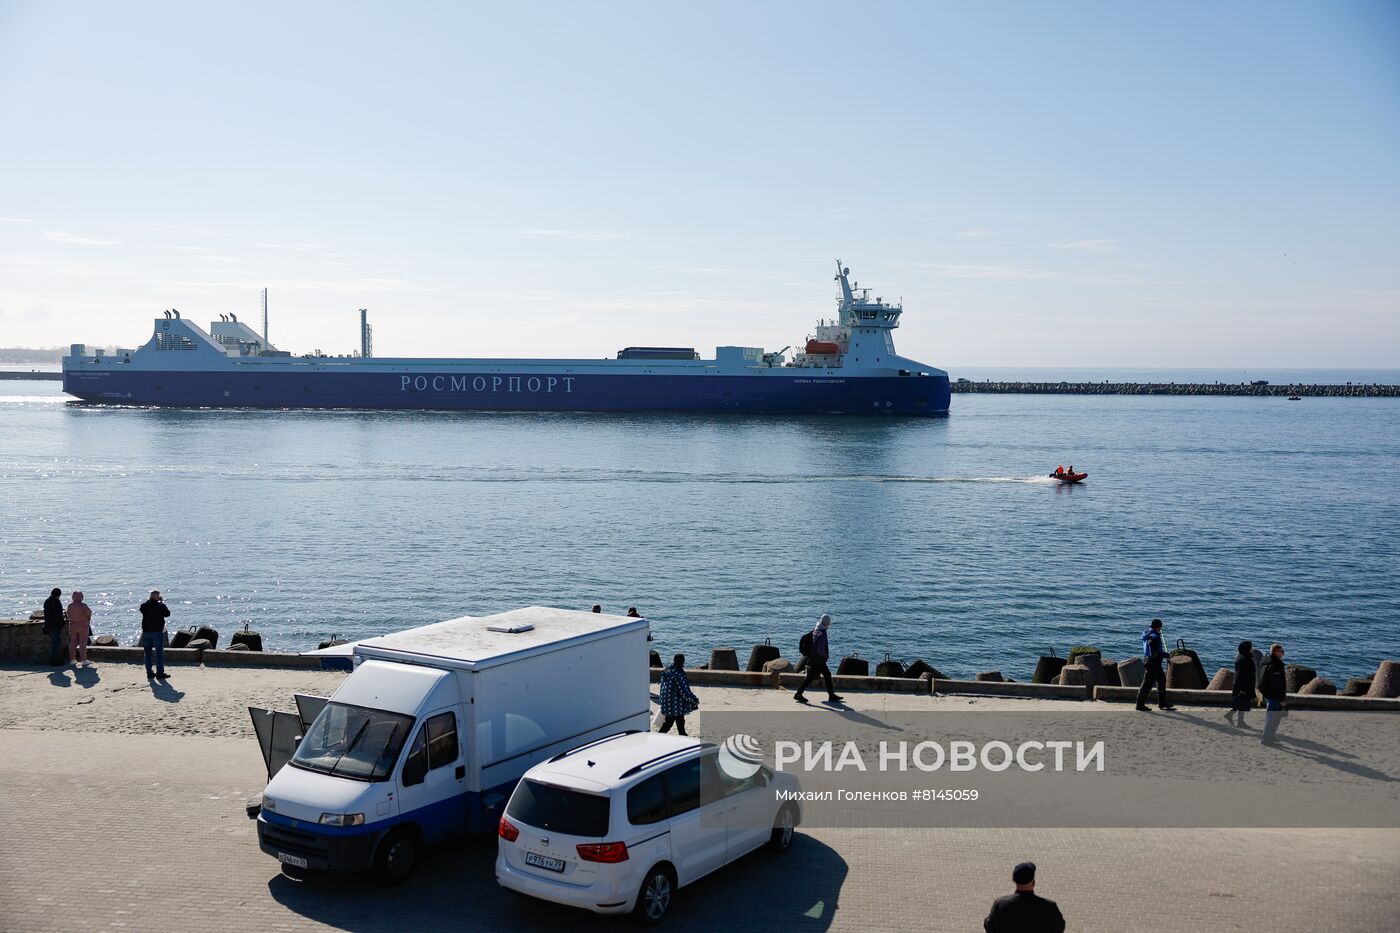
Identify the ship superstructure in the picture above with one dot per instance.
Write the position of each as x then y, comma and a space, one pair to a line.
848, 366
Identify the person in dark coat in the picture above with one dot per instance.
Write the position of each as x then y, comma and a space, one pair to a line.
1153, 657
1242, 694
677, 698
1025, 911
816, 663
1273, 686
154, 612
53, 625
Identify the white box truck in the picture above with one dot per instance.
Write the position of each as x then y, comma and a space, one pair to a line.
429, 734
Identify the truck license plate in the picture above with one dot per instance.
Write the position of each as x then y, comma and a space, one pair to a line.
544, 861
296, 861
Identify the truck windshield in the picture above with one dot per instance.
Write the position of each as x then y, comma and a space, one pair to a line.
353, 742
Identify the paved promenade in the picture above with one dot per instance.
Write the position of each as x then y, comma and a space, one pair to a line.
109, 830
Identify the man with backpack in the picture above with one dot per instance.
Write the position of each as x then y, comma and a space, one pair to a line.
815, 649
1153, 657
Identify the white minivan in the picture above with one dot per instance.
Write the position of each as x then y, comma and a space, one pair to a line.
617, 825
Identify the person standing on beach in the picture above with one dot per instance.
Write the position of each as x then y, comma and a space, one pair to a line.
1153, 657
677, 699
1242, 694
79, 628
816, 663
53, 625
154, 612
1273, 686
1025, 911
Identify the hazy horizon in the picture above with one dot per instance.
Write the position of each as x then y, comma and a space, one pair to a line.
1089, 186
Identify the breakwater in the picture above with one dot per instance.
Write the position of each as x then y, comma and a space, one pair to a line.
31, 376
1263, 390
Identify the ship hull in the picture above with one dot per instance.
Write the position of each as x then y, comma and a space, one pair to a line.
782, 392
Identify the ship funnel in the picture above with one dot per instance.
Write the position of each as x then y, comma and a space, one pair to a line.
233, 316
167, 315
176, 313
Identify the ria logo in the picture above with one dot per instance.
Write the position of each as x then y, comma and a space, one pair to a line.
741, 756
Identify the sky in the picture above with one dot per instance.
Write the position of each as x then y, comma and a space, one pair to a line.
1043, 184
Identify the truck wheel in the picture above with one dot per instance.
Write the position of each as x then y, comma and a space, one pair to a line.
654, 899
397, 857
781, 840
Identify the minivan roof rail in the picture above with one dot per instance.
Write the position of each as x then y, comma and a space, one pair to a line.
635, 769
578, 748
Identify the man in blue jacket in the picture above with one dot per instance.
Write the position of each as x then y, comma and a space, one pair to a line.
1153, 657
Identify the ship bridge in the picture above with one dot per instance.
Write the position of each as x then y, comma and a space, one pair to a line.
860, 337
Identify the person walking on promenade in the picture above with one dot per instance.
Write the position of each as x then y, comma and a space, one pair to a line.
154, 612
79, 628
1025, 911
1153, 657
1242, 694
816, 663
677, 699
53, 625
1273, 685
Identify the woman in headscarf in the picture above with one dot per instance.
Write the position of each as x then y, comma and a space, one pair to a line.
677, 699
1242, 695
79, 628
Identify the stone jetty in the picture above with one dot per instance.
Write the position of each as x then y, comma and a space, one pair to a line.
1263, 390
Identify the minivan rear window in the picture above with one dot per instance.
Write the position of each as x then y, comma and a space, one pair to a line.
559, 809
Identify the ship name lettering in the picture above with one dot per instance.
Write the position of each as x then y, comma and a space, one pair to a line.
546, 384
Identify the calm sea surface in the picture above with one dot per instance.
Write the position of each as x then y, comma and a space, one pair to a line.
1230, 518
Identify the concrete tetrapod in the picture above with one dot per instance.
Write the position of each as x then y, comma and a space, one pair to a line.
761, 655
1094, 662
1130, 671
854, 665
1386, 683
1074, 675
1357, 687
247, 637
1183, 673
1224, 679
1047, 669
991, 677
920, 667
1296, 675
1319, 686
724, 659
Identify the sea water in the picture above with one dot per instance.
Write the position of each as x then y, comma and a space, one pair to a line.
1229, 518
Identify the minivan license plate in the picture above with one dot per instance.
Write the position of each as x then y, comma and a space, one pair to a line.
296, 861
544, 861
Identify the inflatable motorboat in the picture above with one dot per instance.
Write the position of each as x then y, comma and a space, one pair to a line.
1069, 478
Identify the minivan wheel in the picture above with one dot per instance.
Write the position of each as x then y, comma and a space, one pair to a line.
654, 899
397, 857
783, 829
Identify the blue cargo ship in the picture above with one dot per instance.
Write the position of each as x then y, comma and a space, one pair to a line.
848, 366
